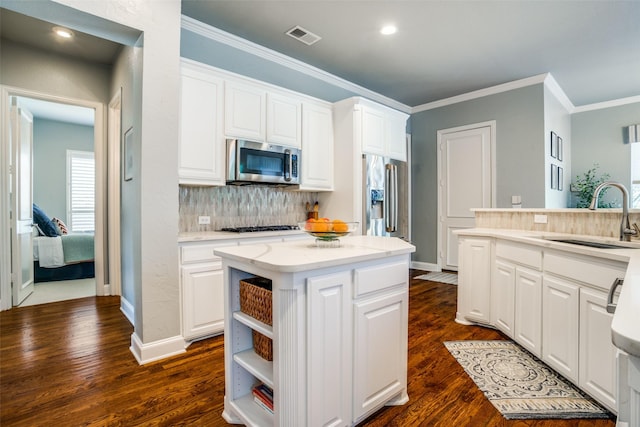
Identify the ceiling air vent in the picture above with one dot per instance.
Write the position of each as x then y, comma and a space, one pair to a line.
305, 36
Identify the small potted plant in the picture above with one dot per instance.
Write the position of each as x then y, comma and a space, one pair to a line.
585, 185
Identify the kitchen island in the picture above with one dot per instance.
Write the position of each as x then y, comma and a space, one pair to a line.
339, 331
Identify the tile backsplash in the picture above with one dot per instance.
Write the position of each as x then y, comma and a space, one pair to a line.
241, 206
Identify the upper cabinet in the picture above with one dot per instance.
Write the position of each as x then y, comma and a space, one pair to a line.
202, 143
317, 148
284, 120
382, 130
258, 114
245, 111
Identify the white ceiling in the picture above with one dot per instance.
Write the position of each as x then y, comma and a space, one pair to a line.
447, 48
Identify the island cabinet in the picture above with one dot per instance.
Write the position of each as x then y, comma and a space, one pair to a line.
339, 331
474, 280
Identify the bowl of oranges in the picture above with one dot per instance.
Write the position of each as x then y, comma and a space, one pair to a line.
326, 229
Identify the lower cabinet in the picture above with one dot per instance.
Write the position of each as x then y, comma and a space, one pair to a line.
628, 390
474, 280
380, 350
528, 310
560, 326
503, 297
202, 293
597, 356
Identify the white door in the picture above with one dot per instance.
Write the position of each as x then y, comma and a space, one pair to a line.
21, 140
465, 175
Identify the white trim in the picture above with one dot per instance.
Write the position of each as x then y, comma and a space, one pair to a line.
157, 350
114, 132
127, 309
426, 266
5, 204
553, 86
505, 87
255, 49
607, 104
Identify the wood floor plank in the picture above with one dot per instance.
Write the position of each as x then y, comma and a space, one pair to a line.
68, 364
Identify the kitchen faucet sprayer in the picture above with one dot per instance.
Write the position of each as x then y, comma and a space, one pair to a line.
625, 228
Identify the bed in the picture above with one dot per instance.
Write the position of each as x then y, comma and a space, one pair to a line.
65, 257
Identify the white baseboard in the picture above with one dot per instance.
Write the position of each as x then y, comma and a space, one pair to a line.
127, 309
150, 352
425, 266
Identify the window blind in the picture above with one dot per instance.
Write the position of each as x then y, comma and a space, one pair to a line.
81, 172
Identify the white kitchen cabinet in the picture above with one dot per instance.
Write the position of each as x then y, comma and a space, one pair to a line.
597, 356
396, 136
628, 390
373, 130
245, 111
474, 279
317, 148
503, 297
284, 120
560, 326
329, 362
201, 158
201, 290
528, 309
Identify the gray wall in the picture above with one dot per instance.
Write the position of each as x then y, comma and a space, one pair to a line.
51, 140
520, 140
597, 138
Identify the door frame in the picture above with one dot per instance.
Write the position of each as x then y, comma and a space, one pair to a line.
440, 133
99, 134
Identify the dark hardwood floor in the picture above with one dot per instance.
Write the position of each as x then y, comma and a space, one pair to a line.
69, 364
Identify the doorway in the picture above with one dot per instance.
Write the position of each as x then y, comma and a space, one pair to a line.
466, 177
100, 260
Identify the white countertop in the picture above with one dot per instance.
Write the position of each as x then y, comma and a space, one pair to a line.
625, 327
303, 255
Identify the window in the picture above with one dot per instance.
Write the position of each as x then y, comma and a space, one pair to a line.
635, 175
81, 174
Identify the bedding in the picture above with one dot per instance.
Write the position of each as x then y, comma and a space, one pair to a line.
66, 257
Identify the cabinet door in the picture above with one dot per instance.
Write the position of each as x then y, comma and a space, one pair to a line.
503, 297
474, 279
560, 327
373, 131
317, 148
380, 350
202, 145
329, 348
597, 352
284, 120
396, 136
202, 300
245, 111
528, 317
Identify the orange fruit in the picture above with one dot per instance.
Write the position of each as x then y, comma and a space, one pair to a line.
309, 224
340, 226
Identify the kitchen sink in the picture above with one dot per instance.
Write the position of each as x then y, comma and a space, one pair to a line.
593, 244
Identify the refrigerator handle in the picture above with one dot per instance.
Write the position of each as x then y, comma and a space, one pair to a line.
391, 202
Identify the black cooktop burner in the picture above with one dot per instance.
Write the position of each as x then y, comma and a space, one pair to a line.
260, 228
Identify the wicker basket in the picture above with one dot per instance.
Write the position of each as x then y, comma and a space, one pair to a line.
255, 300
263, 346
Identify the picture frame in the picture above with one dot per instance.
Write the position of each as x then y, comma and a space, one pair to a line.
560, 178
554, 145
554, 177
560, 154
127, 158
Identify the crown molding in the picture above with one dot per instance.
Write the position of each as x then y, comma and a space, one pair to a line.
218, 35
607, 104
505, 87
553, 86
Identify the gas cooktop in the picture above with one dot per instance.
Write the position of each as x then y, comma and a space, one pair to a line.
260, 228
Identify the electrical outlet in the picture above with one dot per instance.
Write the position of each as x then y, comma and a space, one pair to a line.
203, 220
539, 219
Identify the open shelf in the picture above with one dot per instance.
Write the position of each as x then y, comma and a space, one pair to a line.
250, 413
254, 324
256, 366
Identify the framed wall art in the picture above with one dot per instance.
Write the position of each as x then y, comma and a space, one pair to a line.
554, 145
554, 177
559, 146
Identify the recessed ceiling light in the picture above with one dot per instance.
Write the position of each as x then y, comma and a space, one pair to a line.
65, 33
388, 29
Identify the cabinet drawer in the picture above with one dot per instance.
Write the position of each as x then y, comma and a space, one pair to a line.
199, 253
373, 279
590, 270
520, 254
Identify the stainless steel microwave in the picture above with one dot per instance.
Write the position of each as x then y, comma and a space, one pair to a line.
250, 161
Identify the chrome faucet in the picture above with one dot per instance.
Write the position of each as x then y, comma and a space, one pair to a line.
625, 229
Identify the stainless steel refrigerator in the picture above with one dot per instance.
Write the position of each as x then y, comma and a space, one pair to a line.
385, 197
